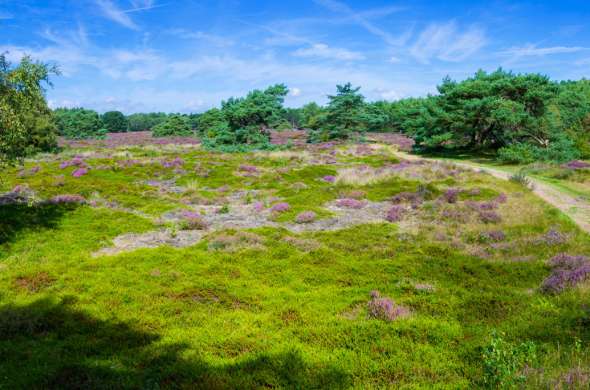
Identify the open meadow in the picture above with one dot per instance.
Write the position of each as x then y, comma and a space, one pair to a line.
331, 265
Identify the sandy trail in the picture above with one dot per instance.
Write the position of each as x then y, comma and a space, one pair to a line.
576, 208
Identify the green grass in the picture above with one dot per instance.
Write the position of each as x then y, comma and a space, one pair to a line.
289, 312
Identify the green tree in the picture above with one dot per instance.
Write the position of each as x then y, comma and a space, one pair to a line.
115, 122
174, 125
79, 123
25, 120
243, 123
343, 115
312, 116
145, 121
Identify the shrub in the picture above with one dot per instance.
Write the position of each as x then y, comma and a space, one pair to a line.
518, 153
80, 172
115, 122
280, 207
306, 217
452, 195
174, 125
489, 217
567, 271
493, 236
385, 308
65, 199
350, 203
395, 214
503, 362
192, 221
79, 123
521, 178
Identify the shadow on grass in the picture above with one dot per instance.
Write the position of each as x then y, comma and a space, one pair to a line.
49, 344
15, 217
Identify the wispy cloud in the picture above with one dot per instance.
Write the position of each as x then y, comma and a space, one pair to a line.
321, 50
5, 15
216, 40
534, 51
446, 43
363, 20
117, 15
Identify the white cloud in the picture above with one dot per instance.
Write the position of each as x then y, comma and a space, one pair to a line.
534, 51
362, 19
295, 92
394, 60
114, 13
444, 42
321, 50
202, 36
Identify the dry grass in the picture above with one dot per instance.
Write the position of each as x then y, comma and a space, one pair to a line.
363, 177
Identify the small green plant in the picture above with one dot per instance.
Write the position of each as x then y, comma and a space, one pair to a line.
521, 178
224, 209
503, 362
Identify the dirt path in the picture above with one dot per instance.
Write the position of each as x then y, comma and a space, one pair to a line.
575, 208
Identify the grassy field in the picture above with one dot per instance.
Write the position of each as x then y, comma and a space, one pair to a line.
90, 298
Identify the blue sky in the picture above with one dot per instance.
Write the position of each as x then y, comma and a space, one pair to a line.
186, 56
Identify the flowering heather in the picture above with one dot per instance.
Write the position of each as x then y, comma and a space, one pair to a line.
259, 207
248, 168
553, 237
280, 207
452, 195
306, 217
567, 271
400, 166
456, 215
329, 178
80, 172
395, 214
489, 217
66, 199
175, 163
385, 308
356, 194
34, 169
128, 163
193, 221
75, 162
502, 198
413, 197
577, 164
350, 203
493, 235
20, 188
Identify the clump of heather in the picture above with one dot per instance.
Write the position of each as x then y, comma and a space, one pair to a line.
80, 172
502, 198
306, 217
384, 308
248, 168
567, 271
415, 198
456, 215
67, 199
553, 237
489, 217
577, 164
493, 235
128, 163
75, 162
258, 207
395, 214
175, 163
34, 169
350, 203
280, 207
329, 178
452, 195
356, 194
475, 191
192, 221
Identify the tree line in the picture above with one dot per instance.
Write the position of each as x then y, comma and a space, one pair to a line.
520, 117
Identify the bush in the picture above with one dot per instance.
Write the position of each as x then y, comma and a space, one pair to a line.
79, 123
115, 122
174, 125
518, 153
521, 178
503, 362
